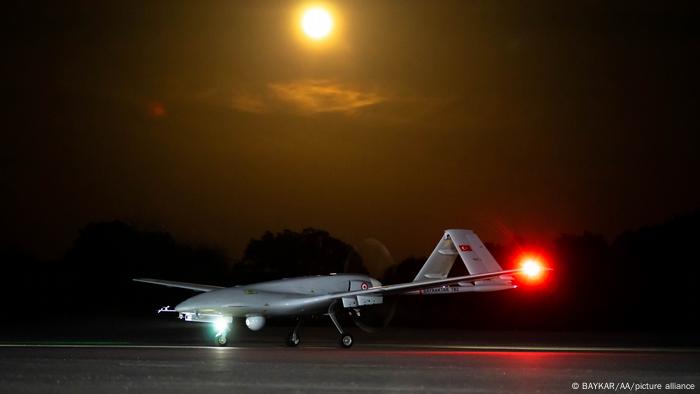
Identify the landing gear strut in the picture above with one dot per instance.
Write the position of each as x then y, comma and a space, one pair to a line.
345, 339
293, 339
222, 329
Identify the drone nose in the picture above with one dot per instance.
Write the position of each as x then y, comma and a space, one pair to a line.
185, 306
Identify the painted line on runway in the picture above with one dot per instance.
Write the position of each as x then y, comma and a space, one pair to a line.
394, 346
579, 349
104, 346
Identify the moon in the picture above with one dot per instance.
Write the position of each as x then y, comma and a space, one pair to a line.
317, 23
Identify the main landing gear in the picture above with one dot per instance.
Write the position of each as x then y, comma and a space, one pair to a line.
293, 339
345, 339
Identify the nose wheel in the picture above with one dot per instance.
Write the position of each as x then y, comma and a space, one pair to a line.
222, 339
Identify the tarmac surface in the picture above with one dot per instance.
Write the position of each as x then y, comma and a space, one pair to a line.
446, 361
266, 369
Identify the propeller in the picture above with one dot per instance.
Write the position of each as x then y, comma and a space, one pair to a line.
373, 319
376, 258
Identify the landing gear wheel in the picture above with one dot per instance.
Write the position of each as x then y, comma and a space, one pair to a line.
222, 339
293, 340
346, 340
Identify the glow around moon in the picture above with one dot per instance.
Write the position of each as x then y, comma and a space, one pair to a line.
317, 23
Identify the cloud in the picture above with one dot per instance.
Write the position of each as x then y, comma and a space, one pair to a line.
308, 96
315, 96
249, 103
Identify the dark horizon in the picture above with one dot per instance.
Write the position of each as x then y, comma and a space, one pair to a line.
597, 284
513, 244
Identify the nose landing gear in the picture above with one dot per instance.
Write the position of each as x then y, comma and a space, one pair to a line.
222, 338
222, 329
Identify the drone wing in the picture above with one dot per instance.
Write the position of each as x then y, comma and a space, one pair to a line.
411, 286
180, 285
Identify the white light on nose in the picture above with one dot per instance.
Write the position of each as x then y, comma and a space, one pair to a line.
221, 325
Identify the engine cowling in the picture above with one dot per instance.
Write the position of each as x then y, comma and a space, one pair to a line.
255, 322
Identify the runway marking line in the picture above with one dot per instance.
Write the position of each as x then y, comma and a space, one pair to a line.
394, 347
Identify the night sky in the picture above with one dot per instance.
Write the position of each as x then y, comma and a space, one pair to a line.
219, 120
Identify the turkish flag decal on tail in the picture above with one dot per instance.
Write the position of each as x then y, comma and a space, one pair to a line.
465, 248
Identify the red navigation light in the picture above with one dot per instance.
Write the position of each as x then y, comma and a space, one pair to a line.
531, 267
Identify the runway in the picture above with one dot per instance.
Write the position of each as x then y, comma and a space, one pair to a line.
266, 368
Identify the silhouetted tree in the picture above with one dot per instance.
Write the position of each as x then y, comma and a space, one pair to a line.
643, 280
97, 270
404, 271
289, 253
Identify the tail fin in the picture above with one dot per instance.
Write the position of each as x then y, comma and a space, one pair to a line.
440, 262
463, 243
476, 257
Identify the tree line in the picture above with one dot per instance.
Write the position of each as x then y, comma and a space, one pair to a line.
643, 279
